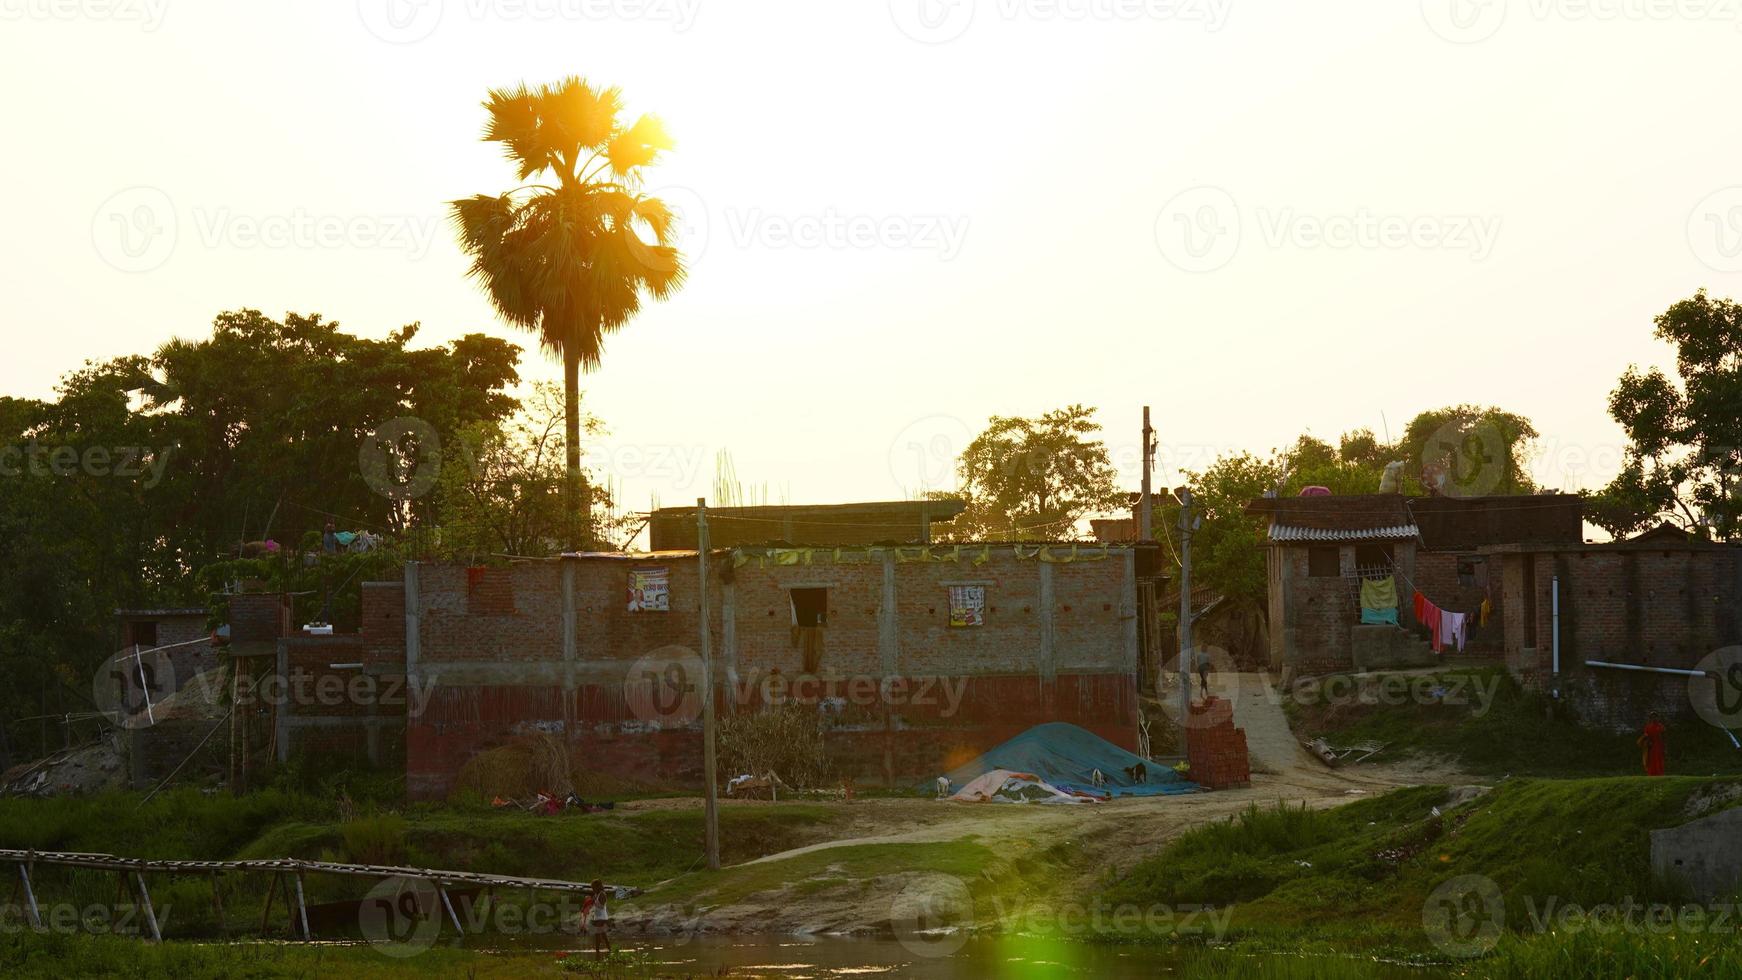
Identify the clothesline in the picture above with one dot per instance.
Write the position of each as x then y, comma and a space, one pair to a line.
1442, 624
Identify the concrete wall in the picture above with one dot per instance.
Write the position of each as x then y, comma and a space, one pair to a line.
1702, 853
1059, 643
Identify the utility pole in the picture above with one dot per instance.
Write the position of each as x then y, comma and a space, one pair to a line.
1145, 529
1185, 606
711, 812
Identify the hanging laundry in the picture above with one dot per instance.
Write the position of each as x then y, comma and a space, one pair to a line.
1379, 601
1429, 615
1454, 628
1487, 608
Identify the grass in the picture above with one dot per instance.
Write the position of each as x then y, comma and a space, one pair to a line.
1516, 733
59, 956
639, 849
1360, 876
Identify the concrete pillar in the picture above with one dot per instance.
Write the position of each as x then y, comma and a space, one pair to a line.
1128, 610
729, 638
888, 639
413, 630
1045, 666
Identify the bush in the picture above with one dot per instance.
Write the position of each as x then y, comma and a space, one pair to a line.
786, 740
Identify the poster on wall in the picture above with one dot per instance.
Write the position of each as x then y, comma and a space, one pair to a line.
967, 605
649, 590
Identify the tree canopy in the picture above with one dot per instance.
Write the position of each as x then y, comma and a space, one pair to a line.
1683, 459
1035, 478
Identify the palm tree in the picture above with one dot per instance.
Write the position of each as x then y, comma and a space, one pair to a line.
567, 261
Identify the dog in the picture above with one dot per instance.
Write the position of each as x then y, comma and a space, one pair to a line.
1138, 773
1097, 778
943, 787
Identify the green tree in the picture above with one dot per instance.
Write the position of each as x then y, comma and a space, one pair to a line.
500, 490
1036, 478
566, 261
1684, 455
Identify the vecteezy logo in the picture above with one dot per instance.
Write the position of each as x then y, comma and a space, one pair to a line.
130, 687
135, 229
665, 687
1199, 229
932, 21
1464, 461
923, 455
399, 916
1715, 230
1717, 694
400, 21
932, 915
1464, 916
402, 459
689, 232
1464, 21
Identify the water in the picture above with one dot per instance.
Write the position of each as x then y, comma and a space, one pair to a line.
973, 959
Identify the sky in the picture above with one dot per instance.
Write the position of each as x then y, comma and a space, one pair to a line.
1258, 217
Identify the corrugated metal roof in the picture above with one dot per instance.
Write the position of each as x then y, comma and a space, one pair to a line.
1285, 532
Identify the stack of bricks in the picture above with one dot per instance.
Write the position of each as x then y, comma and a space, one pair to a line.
1215, 748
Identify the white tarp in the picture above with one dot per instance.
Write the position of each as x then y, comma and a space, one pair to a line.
1005, 786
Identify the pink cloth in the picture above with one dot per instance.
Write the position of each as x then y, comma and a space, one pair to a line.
1455, 627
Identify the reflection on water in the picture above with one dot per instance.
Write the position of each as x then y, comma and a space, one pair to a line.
1009, 956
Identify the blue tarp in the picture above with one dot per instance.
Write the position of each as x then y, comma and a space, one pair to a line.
1063, 754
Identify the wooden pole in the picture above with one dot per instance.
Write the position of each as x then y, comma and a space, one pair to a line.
266, 913
710, 801
218, 903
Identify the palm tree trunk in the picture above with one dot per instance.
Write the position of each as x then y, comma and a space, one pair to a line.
574, 492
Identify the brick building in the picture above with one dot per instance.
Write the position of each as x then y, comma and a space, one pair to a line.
872, 522
1320, 548
1663, 601
921, 656
1659, 600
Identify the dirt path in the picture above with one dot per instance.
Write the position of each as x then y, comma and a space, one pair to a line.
818, 897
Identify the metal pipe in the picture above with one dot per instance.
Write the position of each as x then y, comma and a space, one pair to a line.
1653, 670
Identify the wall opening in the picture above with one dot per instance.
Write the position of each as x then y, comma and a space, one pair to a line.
1324, 562
810, 614
142, 633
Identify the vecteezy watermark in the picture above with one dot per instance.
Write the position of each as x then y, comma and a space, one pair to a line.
664, 688
677, 466
923, 455
69, 919
130, 686
832, 229
938, 21
138, 229
134, 229
1466, 916
1717, 695
410, 21
402, 916
1465, 460
1470, 21
121, 462
1214, 672
1202, 229
148, 14
1715, 229
401, 459
934, 915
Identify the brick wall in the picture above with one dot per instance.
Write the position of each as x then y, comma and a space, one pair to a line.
1660, 607
1057, 644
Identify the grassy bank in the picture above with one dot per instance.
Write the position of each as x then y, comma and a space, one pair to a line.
1490, 726
1366, 875
638, 849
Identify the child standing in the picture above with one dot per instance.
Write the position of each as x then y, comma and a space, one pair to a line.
596, 913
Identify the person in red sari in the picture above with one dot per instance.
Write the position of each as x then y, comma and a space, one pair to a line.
1651, 743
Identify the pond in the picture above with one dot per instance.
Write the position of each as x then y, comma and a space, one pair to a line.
973, 959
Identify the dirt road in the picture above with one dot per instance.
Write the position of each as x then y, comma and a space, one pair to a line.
801, 892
